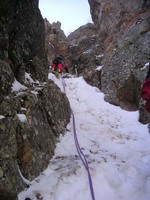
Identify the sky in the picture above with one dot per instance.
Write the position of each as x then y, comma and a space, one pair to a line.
71, 13
116, 146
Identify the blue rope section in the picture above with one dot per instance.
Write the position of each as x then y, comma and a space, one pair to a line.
80, 153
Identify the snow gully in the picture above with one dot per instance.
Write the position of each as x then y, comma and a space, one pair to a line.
80, 153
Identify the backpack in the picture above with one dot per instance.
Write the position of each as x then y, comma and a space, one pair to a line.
55, 61
58, 60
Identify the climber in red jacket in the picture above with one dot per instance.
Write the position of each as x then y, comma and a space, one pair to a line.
145, 92
58, 64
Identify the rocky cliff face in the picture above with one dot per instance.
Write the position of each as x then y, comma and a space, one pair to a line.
55, 41
85, 53
112, 18
124, 29
21, 42
32, 118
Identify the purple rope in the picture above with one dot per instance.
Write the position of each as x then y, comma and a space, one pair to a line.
80, 153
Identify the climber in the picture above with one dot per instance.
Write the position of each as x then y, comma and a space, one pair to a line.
145, 92
58, 65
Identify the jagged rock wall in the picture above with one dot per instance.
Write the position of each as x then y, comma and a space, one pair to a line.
124, 65
55, 41
21, 42
31, 119
81, 33
113, 17
124, 28
85, 53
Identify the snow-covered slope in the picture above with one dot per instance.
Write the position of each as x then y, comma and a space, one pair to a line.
116, 145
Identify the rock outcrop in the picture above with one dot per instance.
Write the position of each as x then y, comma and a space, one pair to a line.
81, 33
32, 118
55, 41
112, 18
21, 42
123, 64
86, 52
125, 30
31, 121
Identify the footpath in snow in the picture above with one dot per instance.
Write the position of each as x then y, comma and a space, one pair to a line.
116, 146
